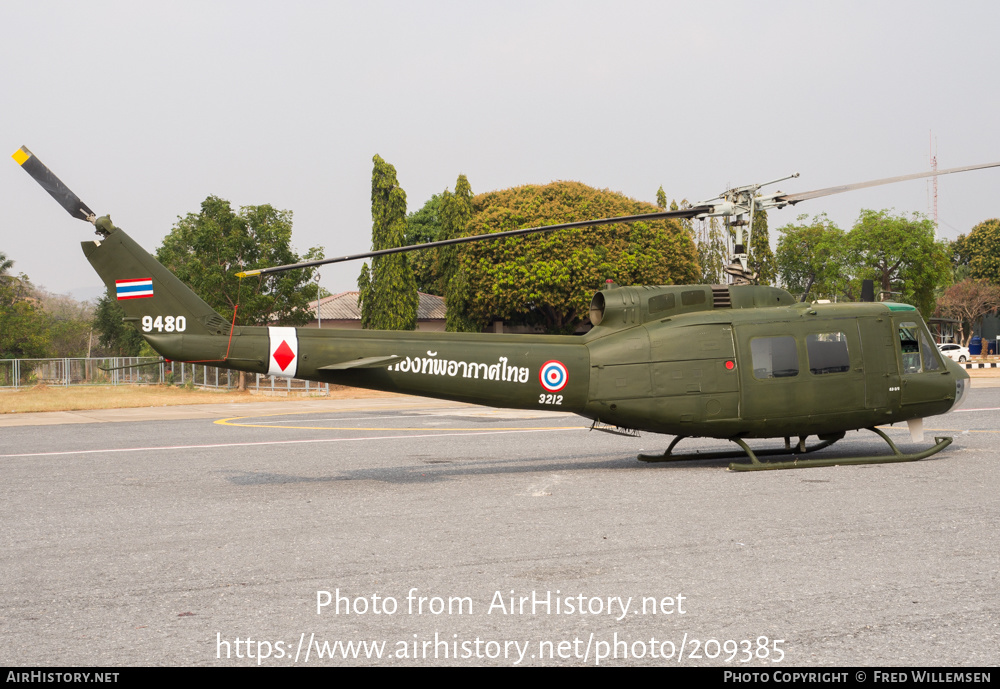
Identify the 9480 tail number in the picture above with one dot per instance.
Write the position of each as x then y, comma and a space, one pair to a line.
168, 324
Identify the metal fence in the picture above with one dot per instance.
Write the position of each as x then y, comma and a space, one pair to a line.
20, 373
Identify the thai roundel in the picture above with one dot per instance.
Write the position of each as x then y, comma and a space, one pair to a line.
553, 375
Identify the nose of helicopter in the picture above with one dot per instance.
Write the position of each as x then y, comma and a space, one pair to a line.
962, 383
961, 388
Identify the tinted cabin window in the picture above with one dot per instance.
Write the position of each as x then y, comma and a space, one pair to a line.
909, 348
661, 303
828, 353
774, 357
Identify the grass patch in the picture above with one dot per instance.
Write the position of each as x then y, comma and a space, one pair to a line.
74, 398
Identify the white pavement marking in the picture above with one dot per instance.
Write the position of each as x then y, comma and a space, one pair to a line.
278, 442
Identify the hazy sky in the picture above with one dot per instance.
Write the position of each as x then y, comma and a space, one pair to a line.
144, 109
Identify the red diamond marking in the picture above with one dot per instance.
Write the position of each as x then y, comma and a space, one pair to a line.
283, 355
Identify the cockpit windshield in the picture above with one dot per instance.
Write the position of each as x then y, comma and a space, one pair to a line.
917, 351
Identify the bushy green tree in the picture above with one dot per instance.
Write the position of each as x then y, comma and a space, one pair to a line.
899, 254
70, 324
37, 323
808, 257
388, 290
424, 226
24, 327
550, 278
205, 250
979, 251
113, 334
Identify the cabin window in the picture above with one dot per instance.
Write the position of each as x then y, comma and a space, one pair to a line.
828, 353
909, 348
774, 357
693, 297
661, 303
927, 355
917, 350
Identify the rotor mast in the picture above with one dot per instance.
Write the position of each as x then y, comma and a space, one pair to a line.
743, 203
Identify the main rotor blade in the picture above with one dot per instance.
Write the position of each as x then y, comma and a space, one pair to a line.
685, 213
52, 184
795, 198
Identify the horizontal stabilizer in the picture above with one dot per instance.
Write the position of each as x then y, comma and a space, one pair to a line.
367, 362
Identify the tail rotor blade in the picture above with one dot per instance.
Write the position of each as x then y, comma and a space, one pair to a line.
52, 184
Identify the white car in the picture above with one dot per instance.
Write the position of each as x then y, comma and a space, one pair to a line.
955, 352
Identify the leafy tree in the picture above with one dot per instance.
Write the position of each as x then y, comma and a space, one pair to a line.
759, 256
117, 338
207, 249
36, 323
808, 258
979, 251
456, 213
424, 226
959, 260
5, 265
661, 198
899, 254
550, 278
70, 323
444, 216
388, 291
24, 331
686, 223
968, 302
712, 251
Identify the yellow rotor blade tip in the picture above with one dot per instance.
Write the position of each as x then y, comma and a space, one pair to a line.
21, 155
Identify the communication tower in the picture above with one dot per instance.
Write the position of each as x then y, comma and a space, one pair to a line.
932, 152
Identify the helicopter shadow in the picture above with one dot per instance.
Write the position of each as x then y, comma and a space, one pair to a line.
430, 468
433, 470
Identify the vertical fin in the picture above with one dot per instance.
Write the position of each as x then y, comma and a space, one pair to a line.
145, 288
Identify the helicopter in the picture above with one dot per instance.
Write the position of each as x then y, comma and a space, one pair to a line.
733, 362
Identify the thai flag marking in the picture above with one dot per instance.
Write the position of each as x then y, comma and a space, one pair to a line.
134, 289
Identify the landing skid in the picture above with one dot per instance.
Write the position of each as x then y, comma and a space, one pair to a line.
756, 465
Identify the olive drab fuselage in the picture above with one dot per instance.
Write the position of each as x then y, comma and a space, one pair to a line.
749, 362
711, 361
